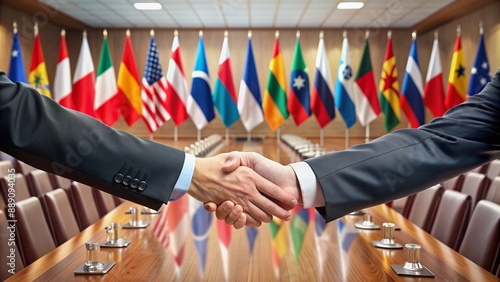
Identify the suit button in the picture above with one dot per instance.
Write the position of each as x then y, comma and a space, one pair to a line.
142, 186
126, 180
134, 183
118, 178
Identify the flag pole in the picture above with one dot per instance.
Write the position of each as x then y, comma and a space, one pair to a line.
322, 137
249, 137
227, 136
198, 135
347, 138
367, 133
277, 136
151, 136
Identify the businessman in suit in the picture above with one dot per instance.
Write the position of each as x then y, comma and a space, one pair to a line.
393, 166
36, 130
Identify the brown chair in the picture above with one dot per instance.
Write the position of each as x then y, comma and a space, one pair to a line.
24, 168
85, 204
482, 239
493, 169
6, 167
59, 181
39, 182
8, 260
425, 206
476, 185
454, 183
493, 194
105, 202
451, 218
408, 205
61, 215
118, 200
22, 190
33, 230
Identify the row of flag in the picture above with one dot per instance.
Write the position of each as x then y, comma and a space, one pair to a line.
158, 98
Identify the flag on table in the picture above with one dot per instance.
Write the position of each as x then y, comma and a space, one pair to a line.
322, 102
298, 229
457, 83
252, 233
200, 105
365, 91
224, 94
225, 232
278, 243
346, 235
106, 92
62, 78
178, 224
480, 74
84, 80
154, 91
298, 96
249, 99
389, 89
160, 228
38, 77
16, 67
344, 87
434, 90
177, 89
200, 225
412, 103
129, 88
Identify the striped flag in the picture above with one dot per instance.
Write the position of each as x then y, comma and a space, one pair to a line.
200, 226
224, 93
344, 87
178, 224
274, 102
200, 105
177, 90
252, 233
153, 90
389, 89
298, 95
457, 83
412, 103
38, 77
128, 85
16, 67
84, 80
365, 91
480, 73
62, 78
278, 243
249, 98
434, 89
346, 235
298, 228
322, 102
106, 92
160, 228
225, 232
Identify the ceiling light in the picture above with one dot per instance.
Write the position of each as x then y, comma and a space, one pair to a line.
350, 5
147, 6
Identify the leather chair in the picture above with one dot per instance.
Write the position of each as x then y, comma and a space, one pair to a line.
24, 168
493, 169
33, 230
476, 185
451, 218
493, 194
61, 215
59, 181
5, 254
481, 241
118, 200
408, 205
454, 183
6, 168
22, 189
85, 204
105, 201
425, 206
39, 183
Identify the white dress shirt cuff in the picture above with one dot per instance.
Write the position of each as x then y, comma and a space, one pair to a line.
184, 181
312, 195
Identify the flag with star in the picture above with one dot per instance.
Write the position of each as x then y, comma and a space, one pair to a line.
16, 68
457, 83
298, 99
344, 87
389, 89
480, 73
38, 77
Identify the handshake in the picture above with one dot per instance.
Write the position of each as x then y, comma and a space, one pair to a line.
245, 188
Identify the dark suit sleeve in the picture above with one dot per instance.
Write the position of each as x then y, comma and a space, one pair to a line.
409, 160
36, 130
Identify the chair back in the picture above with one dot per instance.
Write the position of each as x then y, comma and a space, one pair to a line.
59, 181
6, 167
85, 204
39, 182
482, 238
22, 190
105, 202
425, 206
493, 169
33, 230
451, 218
454, 183
8, 260
475, 184
493, 194
62, 218
24, 168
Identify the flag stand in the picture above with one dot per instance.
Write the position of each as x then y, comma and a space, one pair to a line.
175, 133
227, 136
198, 135
277, 136
322, 137
151, 136
367, 133
347, 138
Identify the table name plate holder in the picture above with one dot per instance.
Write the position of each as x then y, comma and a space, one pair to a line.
135, 220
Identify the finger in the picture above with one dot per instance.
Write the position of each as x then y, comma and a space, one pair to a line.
257, 211
251, 221
232, 162
210, 206
241, 221
276, 194
269, 206
234, 215
224, 209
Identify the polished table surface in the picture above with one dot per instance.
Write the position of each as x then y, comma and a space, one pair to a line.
343, 253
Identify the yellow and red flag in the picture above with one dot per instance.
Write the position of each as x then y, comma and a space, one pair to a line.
38, 72
457, 83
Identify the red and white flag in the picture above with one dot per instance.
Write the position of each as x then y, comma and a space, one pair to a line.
84, 80
62, 79
434, 89
177, 90
160, 228
178, 224
225, 232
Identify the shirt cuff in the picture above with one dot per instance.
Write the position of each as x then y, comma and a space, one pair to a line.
312, 195
184, 181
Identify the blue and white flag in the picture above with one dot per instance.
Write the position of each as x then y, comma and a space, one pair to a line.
200, 224
412, 102
344, 87
480, 74
16, 68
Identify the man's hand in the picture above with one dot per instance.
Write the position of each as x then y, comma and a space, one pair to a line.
242, 186
281, 175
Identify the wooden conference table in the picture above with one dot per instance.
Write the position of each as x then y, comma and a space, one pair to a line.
343, 253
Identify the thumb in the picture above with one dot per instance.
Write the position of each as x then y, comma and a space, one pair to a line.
233, 161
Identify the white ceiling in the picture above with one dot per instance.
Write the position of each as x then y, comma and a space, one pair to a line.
248, 13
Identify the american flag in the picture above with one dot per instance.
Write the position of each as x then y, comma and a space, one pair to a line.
153, 94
